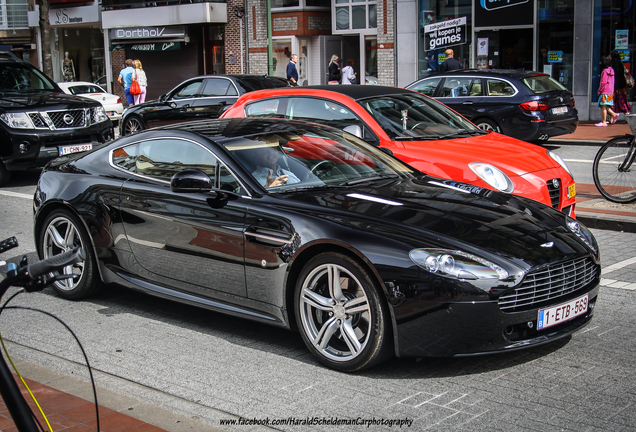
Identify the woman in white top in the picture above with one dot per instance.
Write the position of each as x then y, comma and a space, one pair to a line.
140, 76
349, 74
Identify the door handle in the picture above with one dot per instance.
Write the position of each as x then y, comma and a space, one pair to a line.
467, 103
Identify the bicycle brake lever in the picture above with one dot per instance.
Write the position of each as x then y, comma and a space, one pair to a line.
40, 283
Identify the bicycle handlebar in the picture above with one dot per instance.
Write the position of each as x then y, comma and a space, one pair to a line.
48, 265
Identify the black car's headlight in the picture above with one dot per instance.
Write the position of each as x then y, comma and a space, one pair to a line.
17, 120
492, 175
583, 233
99, 114
456, 264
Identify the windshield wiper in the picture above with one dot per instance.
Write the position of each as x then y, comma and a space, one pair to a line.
463, 132
368, 179
308, 187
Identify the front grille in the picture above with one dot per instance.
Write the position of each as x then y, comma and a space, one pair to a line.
554, 187
68, 119
543, 286
38, 121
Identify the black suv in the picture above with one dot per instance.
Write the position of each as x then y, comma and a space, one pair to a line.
38, 122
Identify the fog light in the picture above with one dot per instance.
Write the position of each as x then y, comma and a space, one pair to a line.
24, 147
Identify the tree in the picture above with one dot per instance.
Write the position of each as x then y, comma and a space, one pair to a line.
45, 37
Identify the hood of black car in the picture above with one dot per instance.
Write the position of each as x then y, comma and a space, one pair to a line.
42, 101
430, 211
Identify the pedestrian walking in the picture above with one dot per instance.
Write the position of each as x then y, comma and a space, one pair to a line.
125, 78
621, 104
606, 93
349, 75
292, 72
334, 70
450, 63
139, 75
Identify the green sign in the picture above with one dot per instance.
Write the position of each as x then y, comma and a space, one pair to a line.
151, 46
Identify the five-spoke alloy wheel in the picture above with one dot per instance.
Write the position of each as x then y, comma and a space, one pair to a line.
341, 315
61, 232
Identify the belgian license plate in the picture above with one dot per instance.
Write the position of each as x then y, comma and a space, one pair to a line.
572, 190
560, 110
561, 313
64, 150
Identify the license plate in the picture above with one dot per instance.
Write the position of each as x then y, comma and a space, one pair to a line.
560, 110
572, 190
561, 313
64, 150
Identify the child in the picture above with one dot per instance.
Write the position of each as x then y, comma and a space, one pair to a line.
606, 93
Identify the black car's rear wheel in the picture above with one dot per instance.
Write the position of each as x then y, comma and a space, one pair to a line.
487, 124
61, 232
341, 315
133, 124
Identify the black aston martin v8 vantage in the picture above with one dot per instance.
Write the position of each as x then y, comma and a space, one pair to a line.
307, 227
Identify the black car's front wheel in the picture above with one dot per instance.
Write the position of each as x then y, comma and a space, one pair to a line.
341, 315
132, 124
61, 232
5, 174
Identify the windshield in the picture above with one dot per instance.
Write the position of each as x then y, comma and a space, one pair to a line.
542, 84
20, 77
85, 89
413, 116
317, 157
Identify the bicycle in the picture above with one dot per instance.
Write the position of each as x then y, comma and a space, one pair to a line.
31, 278
614, 170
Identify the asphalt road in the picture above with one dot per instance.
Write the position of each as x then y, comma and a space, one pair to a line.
212, 368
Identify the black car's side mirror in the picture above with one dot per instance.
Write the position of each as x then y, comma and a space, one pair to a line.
190, 180
163, 98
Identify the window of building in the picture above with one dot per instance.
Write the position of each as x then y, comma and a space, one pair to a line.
614, 22
431, 53
13, 14
555, 49
355, 15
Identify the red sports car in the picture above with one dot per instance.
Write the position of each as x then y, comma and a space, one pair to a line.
424, 133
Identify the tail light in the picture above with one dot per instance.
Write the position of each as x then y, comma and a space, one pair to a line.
572, 102
534, 106
118, 100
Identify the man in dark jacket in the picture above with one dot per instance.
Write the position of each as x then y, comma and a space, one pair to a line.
450, 63
292, 72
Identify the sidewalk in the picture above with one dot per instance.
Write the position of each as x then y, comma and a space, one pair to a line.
591, 208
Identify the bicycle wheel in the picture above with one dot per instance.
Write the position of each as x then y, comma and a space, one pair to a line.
614, 170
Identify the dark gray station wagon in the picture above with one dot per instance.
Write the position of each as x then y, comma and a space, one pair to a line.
526, 105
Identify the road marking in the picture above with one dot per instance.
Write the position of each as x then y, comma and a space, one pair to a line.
619, 265
579, 160
16, 194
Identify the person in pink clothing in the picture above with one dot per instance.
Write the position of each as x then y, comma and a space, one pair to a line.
606, 93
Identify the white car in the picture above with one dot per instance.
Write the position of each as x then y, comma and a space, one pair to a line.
112, 103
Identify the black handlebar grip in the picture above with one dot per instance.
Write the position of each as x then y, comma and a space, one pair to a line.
56, 263
7, 244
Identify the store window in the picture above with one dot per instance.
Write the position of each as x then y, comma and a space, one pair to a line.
443, 25
614, 22
556, 40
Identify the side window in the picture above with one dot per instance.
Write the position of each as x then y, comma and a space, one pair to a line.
427, 86
321, 111
219, 87
188, 90
476, 89
228, 182
456, 87
264, 108
124, 157
499, 88
162, 158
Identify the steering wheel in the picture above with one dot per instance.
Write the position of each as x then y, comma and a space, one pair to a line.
417, 124
314, 169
